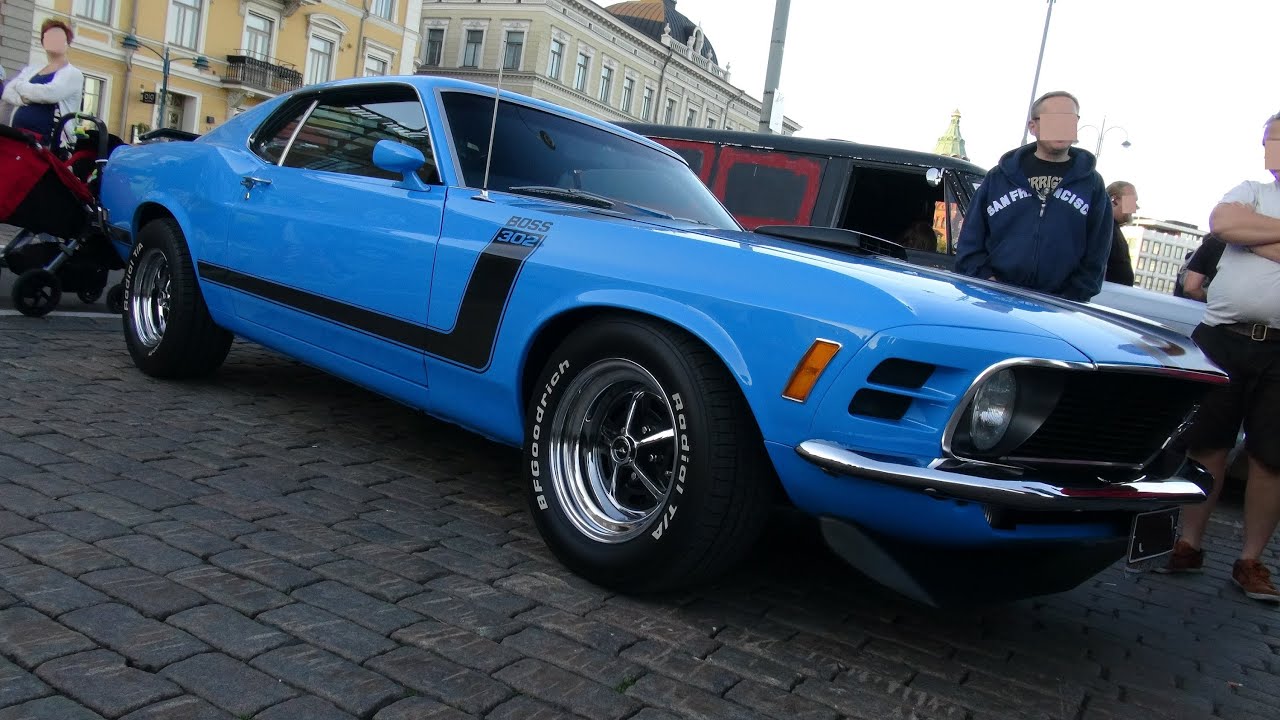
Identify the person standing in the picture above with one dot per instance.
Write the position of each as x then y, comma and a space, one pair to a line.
1240, 333
1124, 204
43, 94
1041, 217
1200, 269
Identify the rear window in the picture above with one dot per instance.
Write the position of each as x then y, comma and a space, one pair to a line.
767, 187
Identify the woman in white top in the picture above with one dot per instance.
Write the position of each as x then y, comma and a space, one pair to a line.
42, 95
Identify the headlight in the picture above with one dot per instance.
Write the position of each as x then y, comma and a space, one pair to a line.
992, 410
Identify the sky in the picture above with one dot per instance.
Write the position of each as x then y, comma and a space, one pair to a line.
1189, 84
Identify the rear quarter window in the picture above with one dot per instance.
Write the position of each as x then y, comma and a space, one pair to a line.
768, 187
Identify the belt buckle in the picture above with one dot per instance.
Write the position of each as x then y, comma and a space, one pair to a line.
1258, 332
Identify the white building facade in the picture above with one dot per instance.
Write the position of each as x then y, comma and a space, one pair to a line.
1159, 249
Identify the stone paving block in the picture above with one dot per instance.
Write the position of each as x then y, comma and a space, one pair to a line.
244, 595
14, 524
63, 552
31, 638
101, 680
229, 684
350, 491
289, 548
17, 685
328, 631
187, 707
574, 657
140, 494
9, 558
32, 454
149, 594
201, 543
565, 689
464, 564
777, 703
7, 600
219, 523
648, 622
49, 482
403, 564
754, 666
266, 569
379, 583
48, 590
245, 509
149, 553
229, 631
304, 708
309, 531
553, 590
605, 638
84, 526
441, 679
296, 505
413, 524
687, 701
147, 643
491, 553
460, 613
357, 607
381, 535
675, 663
345, 684
113, 508
483, 594
460, 646
420, 708
50, 708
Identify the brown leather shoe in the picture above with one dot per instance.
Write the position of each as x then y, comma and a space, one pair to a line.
1184, 558
1255, 580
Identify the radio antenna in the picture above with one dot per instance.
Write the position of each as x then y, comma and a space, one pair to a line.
488, 156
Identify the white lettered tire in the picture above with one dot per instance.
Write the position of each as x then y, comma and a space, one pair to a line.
643, 466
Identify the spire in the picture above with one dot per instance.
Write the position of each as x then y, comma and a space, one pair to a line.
951, 144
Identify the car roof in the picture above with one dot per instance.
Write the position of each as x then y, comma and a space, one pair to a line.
813, 146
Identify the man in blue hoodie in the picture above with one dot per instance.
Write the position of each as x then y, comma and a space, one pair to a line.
1041, 219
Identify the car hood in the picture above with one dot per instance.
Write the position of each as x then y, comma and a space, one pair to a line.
938, 297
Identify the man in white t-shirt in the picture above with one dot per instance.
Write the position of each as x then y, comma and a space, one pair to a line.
1240, 332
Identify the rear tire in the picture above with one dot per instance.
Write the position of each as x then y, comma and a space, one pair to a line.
167, 326
36, 292
643, 466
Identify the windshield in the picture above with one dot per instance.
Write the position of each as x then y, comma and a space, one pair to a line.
539, 150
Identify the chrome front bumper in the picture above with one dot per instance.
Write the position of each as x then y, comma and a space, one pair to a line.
1191, 483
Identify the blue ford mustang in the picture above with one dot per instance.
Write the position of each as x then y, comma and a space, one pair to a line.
554, 282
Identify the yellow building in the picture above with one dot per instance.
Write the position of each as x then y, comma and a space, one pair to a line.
224, 55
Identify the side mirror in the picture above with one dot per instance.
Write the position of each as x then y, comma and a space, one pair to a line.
933, 176
400, 158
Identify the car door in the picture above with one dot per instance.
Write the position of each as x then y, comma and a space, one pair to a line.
329, 249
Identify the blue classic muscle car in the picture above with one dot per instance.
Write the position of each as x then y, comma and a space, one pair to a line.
559, 284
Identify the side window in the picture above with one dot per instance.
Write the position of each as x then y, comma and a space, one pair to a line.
898, 204
768, 187
699, 155
272, 137
340, 133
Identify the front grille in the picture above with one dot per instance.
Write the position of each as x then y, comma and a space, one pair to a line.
1111, 417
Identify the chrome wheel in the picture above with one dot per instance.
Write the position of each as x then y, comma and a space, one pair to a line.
149, 301
612, 450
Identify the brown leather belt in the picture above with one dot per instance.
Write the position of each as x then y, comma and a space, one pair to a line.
1254, 331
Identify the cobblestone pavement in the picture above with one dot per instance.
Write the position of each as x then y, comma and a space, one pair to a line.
273, 543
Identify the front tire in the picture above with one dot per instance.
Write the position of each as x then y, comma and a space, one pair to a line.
167, 326
643, 466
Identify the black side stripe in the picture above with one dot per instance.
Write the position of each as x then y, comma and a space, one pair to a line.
473, 337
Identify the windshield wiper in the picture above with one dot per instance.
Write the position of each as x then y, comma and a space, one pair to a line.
586, 198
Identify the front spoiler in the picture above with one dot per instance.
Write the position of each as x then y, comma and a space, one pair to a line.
1191, 482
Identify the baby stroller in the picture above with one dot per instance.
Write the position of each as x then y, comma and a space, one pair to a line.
52, 195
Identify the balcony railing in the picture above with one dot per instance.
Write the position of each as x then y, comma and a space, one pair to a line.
266, 74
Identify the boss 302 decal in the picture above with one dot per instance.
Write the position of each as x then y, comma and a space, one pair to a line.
484, 301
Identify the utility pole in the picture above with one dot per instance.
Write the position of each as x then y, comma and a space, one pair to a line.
1035, 83
776, 46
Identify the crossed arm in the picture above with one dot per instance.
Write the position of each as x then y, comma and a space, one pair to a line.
1239, 224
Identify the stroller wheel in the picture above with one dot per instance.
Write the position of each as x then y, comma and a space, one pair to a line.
36, 292
115, 298
89, 297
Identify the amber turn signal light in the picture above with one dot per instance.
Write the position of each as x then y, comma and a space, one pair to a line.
810, 368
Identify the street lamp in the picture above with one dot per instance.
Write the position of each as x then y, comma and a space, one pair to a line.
1097, 151
1036, 83
132, 43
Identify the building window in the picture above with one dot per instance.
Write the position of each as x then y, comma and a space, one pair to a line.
556, 63
580, 78
628, 92
319, 60
91, 102
184, 23
691, 119
606, 84
257, 36
375, 66
646, 103
435, 46
712, 121
515, 50
99, 10
471, 56
382, 8
671, 111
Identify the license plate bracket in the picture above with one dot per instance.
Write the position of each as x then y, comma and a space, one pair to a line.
1152, 534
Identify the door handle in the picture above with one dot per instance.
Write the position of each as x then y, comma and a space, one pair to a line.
249, 181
